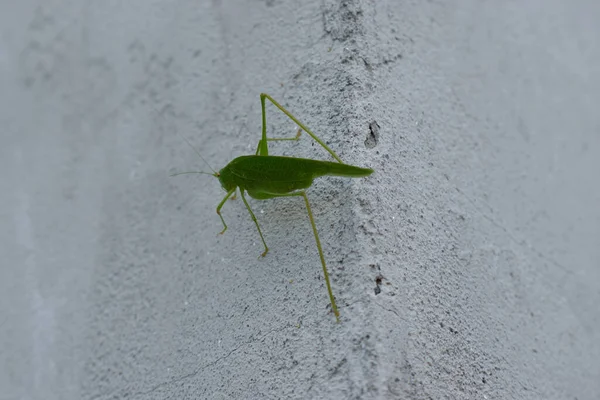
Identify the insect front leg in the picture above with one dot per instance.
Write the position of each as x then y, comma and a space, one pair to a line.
264, 151
319, 248
255, 222
220, 205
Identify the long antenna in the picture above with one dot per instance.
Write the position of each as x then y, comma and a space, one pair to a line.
215, 173
194, 172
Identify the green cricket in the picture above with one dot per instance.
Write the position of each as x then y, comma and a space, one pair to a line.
265, 177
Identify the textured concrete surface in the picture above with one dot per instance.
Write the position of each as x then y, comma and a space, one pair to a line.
466, 267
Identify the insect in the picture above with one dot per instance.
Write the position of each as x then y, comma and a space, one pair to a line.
264, 177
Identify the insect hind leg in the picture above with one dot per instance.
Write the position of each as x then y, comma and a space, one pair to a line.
302, 193
264, 150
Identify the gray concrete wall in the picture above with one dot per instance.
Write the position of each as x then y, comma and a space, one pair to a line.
466, 267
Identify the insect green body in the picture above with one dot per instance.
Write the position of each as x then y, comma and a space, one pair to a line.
265, 177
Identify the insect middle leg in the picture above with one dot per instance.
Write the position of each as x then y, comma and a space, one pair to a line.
314, 228
255, 222
297, 137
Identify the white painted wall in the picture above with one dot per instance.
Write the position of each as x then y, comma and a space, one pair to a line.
482, 218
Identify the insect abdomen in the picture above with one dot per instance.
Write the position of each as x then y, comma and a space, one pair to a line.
338, 169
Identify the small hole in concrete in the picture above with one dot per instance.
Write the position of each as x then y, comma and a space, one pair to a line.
373, 136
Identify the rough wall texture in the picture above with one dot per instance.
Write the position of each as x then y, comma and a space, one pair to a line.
466, 267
